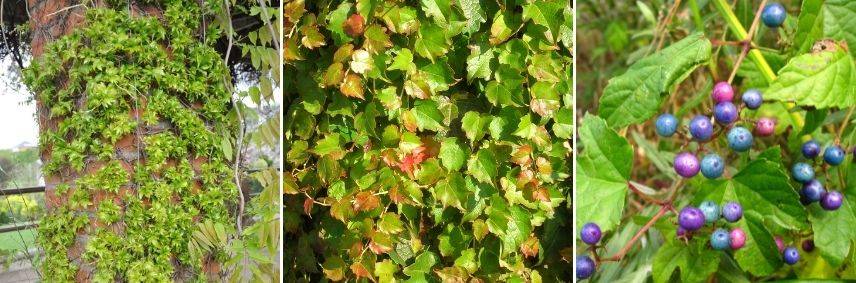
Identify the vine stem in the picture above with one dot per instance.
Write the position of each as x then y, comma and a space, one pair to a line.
844, 124
747, 43
621, 253
240, 141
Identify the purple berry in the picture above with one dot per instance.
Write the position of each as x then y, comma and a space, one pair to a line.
738, 238
691, 218
765, 127
725, 113
722, 92
700, 128
791, 255
585, 267
590, 233
752, 99
811, 149
808, 245
812, 191
686, 164
732, 211
831, 200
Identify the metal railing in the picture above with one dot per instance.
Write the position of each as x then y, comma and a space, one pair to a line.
12, 227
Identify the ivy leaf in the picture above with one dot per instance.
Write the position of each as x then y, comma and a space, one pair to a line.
334, 74
478, 63
312, 38
503, 94
546, 14
821, 79
545, 68
452, 154
330, 145
833, 231
503, 26
563, 123
352, 86
422, 265
695, 262
603, 171
428, 115
474, 14
545, 99
376, 39
390, 224
403, 61
401, 20
335, 21
635, 96
440, 10
431, 42
482, 166
473, 125
385, 271
838, 21
451, 191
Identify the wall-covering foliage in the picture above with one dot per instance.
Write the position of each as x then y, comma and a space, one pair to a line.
428, 140
133, 110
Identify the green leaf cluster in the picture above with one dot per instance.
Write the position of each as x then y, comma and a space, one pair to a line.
428, 140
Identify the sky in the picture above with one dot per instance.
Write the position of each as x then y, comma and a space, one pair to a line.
17, 116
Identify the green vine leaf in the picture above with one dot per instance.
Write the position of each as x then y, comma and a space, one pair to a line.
602, 174
636, 95
821, 79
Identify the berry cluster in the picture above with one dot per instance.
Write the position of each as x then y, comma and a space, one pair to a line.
812, 189
590, 234
692, 219
725, 113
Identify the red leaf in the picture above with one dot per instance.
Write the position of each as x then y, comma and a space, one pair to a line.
353, 26
365, 201
307, 206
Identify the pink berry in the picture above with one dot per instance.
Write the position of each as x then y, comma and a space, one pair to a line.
722, 92
738, 238
780, 244
765, 126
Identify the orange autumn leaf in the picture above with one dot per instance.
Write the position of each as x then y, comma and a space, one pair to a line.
352, 86
529, 248
366, 201
354, 26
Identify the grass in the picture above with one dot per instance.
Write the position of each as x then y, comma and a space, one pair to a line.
12, 240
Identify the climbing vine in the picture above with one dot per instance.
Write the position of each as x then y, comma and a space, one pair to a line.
428, 140
133, 111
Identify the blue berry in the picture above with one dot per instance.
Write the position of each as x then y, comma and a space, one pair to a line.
791, 255
585, 267
666, 125
752, 98
700, 128
739, 139
725, 113
811, 149
802, 172
831, 200
712, 166
774, 15
590, 233
710, 211
732, 211
691, 218
812, 191
833, 155
720, 239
